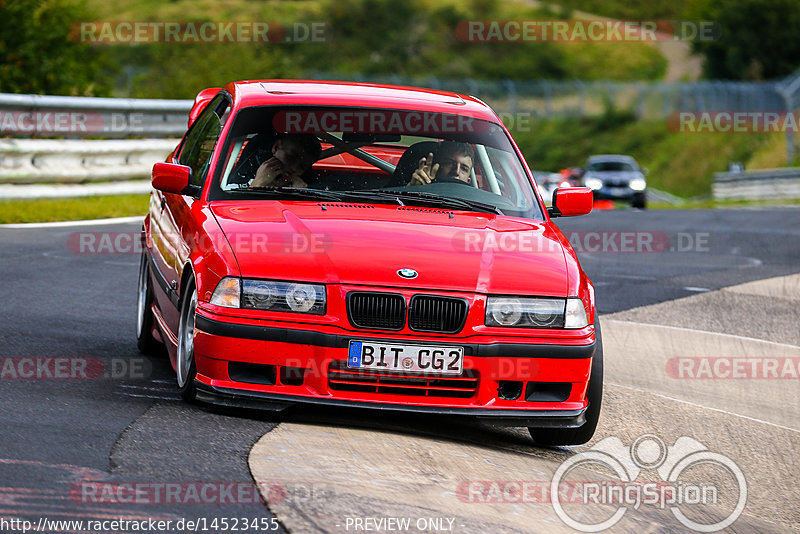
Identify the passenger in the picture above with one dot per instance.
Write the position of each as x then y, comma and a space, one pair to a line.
453, 161
292, 156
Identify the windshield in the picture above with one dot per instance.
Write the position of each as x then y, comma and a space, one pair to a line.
373, 156
611, 166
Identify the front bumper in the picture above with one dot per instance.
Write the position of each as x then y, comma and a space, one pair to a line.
617, 193
309, 357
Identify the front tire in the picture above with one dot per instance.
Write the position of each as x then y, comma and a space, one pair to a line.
582, 434
639, 201
145, 341
186, 369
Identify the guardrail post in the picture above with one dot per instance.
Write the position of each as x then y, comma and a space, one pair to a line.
787, 99
512, 95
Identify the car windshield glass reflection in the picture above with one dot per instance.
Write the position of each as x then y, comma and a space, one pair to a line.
611, 166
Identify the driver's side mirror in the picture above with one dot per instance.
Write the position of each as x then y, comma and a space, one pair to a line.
571, 201
171, 178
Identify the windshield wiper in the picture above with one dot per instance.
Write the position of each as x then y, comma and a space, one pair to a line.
394, 196
373, 195
469, 205
296, 192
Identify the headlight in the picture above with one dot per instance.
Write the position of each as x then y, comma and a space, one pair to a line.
638, 184
270, 295
283, 296
545, 312
525, 312
301, 297
503, 312
594, 183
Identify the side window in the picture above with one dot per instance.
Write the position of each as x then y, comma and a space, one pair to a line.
202, 137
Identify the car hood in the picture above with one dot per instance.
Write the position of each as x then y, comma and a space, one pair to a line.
363, 244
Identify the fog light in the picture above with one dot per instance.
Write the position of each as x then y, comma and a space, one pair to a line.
509, 389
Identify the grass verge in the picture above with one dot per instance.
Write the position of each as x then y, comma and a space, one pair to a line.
72, 209
722, 204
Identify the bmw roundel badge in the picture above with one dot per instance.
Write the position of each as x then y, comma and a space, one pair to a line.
407, 273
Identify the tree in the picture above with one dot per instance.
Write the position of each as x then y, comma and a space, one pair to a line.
39, 55
756, 38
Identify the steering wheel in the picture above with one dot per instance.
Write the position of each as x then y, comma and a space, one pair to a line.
449, 180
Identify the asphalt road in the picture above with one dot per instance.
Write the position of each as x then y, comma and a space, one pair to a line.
81, 448
692, 251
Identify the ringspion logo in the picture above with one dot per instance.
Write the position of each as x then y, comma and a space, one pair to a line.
689, 474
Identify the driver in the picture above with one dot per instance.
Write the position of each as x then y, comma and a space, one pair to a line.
453, 161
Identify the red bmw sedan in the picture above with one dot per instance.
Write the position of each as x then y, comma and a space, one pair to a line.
367, 246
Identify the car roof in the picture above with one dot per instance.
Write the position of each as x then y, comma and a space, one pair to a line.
352, 94
611, 157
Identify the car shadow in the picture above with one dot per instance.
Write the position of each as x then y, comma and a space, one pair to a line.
452, 429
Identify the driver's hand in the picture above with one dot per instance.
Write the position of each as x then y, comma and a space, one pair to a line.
425, 174
267, 174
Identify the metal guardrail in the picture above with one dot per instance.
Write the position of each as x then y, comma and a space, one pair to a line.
82, 117
769, 184
76, 158
27, 161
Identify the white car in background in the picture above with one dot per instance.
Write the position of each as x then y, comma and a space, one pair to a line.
616, 177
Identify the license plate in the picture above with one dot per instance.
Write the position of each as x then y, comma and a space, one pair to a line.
437, 360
